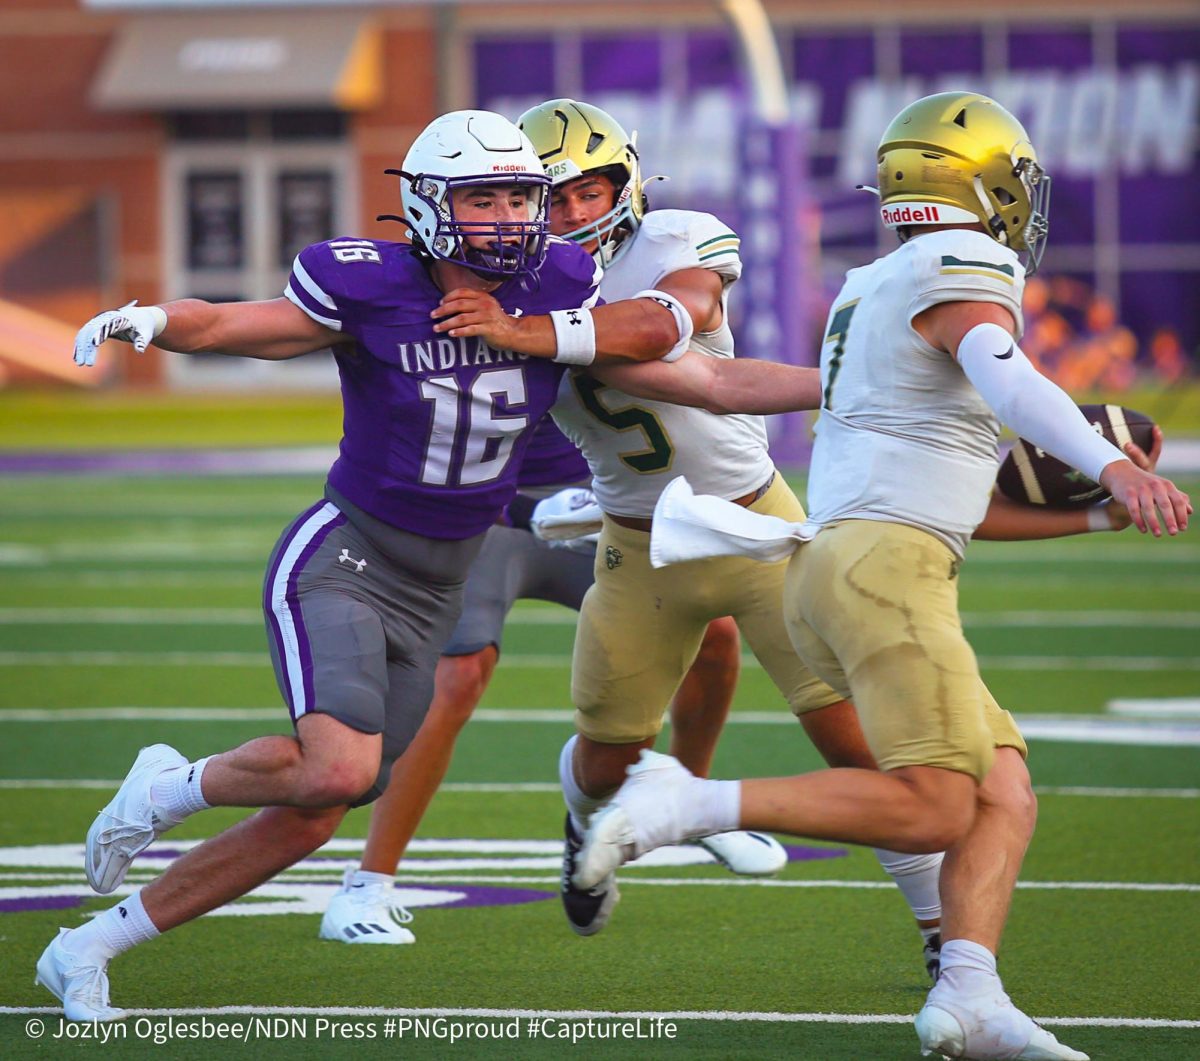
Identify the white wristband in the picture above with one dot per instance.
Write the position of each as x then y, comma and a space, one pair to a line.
683, 320
574, 336
1098, 518
160, 319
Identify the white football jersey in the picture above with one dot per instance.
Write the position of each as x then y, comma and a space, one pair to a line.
903, 436
634, 446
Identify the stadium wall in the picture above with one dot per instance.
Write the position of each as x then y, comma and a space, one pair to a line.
94, 197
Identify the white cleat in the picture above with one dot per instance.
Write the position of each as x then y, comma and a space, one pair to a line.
365, 913
744, 853
643, 815
989, 1029
78, 983
130, 823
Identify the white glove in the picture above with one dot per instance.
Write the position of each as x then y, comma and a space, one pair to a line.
571, 515
133, 323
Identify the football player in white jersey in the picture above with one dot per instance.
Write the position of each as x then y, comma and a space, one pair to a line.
920, 364
667, 275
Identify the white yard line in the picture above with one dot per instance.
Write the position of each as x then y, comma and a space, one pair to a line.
129, 659
227, 550
70, 881
1043, 553
121, 578
1164, 707
542, 661
1073, 728
734, 1016
494, 787
134, 616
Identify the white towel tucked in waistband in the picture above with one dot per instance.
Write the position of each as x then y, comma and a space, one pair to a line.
689, 526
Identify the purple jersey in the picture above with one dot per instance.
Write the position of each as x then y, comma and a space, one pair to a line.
434, 429
552, 458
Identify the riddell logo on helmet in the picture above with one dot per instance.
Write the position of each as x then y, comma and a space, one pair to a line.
510, 167
909, 215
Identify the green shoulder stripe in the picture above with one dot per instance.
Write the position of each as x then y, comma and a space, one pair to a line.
951, 261
717, 239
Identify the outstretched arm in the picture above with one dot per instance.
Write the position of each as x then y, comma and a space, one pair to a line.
272, 330
980, 336
634, 329
718, 385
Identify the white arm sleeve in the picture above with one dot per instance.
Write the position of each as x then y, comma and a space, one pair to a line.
1029, 403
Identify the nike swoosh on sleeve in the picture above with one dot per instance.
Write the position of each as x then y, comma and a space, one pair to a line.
1004, 357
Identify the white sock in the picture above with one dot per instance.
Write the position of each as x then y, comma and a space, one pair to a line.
713, 807
177, 790
917, 878
579, 803
367, 877
114, 931
967, 968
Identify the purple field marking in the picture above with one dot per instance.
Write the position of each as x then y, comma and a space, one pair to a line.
301, 461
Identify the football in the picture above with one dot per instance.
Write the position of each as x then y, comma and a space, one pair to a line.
1031, 475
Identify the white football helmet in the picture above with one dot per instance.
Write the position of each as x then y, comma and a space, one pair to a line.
469, 149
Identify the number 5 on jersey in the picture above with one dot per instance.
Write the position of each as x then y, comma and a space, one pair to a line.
658, 455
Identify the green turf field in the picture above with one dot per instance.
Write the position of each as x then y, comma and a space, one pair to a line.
125, 602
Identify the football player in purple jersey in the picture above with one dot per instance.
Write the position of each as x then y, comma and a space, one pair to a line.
512, 565
364, 588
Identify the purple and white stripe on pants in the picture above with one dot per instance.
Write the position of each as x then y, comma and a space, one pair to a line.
281, 601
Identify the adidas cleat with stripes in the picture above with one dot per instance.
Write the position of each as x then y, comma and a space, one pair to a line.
365, 913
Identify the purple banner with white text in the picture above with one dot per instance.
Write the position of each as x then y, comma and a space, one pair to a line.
1113, 109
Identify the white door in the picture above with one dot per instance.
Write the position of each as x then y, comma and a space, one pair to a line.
235, 215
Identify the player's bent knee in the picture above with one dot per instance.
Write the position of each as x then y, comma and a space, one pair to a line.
722, 644
939, 811
461, 683
942, 833
379, 786
340, 783
1008, 788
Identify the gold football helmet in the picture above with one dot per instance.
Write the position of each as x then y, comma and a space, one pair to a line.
572, 139
960, 157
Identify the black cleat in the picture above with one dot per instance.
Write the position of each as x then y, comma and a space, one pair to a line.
933, 956
587, 910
